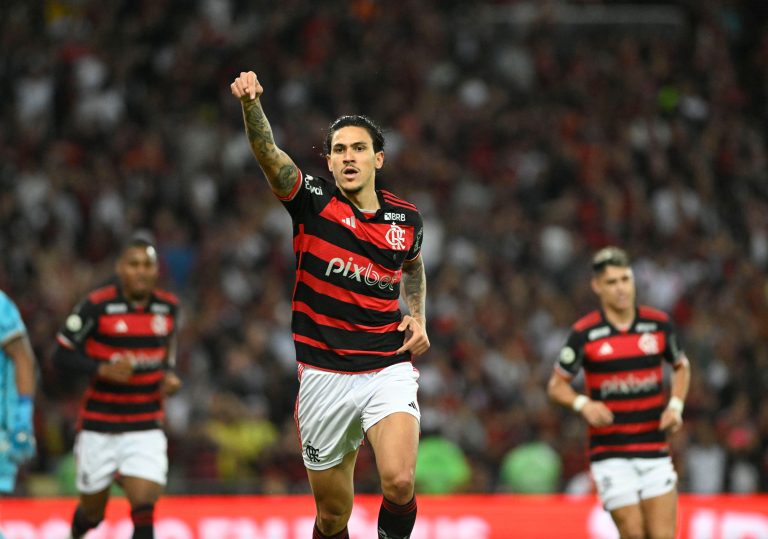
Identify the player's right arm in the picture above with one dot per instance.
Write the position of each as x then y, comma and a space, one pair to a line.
69, 355
278, 167
560, 390
595, 412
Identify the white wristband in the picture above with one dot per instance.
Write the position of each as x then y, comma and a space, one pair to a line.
676, 404
579, 402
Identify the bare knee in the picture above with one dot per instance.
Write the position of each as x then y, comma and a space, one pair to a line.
332, 518
633, 533
398, 488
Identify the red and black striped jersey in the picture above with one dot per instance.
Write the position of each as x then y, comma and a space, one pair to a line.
624, 370
106, 325
348, 271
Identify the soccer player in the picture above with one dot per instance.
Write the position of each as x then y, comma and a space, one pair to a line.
17, 388
354, 245
621, 347
123, 336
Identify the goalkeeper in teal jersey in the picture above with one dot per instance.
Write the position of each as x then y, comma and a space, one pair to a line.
17, 386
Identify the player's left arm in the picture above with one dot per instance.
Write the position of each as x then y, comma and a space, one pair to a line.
672, 417
20, 351
415, 294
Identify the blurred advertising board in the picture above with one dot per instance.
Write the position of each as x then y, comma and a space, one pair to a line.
440, 517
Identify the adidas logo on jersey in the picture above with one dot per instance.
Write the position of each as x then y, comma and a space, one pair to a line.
349, 221
606, 349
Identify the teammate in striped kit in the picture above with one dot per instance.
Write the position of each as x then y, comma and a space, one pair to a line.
621, 347
123, 336
354, 245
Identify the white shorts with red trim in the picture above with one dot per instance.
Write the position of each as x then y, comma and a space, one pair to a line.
622, 482
101, 456
334, 410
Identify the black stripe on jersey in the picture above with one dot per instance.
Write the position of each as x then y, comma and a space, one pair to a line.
317, 268
339, 235
123, 408
327, 359
345, 339
121, 426
631, 454
624, 438
651, 414
129, 342
125, 389
349, 312
623, 364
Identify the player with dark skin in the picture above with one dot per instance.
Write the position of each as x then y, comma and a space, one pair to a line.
137, 274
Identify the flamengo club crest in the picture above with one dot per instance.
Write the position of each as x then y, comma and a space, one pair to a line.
648, 343
159, 324
396, 237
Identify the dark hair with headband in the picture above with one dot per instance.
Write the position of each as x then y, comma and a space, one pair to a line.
140, 238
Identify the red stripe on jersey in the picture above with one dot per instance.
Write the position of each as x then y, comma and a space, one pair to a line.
302, 307
329, 252
375, 233
105, 352
636, 405
121, 418
347, 296
629, 428
103, 294
625, 382
135, 325
340, 351
397, 201
164, 295
122, 399
629, 448
589, 320
652, 314
295, 188
147, 378
625, 346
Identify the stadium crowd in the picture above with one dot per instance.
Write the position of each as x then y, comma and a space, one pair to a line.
527, 146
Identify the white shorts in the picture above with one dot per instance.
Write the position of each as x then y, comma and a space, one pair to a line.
334, 410
101, 456
623, 482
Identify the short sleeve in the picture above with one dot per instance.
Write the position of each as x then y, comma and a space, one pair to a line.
79, 324
11, 324
418, 237
571, 356
673, 353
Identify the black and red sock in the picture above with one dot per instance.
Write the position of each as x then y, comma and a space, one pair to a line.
81, 524
143, 517
396, 521
317, 534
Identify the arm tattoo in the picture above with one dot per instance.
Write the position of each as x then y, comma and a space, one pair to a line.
277, 166
415, 287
